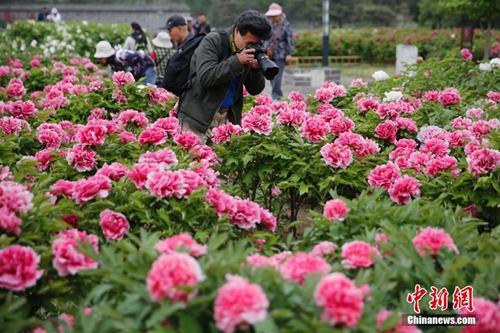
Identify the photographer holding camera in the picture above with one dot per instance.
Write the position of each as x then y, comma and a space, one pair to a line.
220, 66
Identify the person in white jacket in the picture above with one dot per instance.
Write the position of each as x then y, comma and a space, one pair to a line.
54, 16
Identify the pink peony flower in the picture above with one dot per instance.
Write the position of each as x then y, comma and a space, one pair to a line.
341, 300
367, 104
166, 158
9, 221
258, 260
487, 316
223, 133
474, 113
461, 123
166, 184
137, 118
432, 240
328, 112
254, 122
324, 95
181, 243
192, 180
336, 155
466, 54
431, 96
335, 210
87, 189
140, 171
15, 197
94, 135
323, 249
82, 158
449, 97
153, 135
275, 191
480, 128
187, 140
291, 116
358, 83
440, 164
221, 202
238, 304
127, 137
387, 131
300, 265
114, 225
15, 88
20, 109
359, 254
341, 125
67, 259
267, 219
403, 189
264, 100
11, 125
169, 124
435, 147
158, 95
19, 268
383, 176
296, 96
115, 171
406, 124
483, 161
494, 96
246, 214
121, 79
175, 277
49, 138
314, 129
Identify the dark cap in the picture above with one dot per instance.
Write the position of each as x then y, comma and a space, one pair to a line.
175, 21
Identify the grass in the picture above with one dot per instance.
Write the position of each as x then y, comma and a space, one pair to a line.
363, 70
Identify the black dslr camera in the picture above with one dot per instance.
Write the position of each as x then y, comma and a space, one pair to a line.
267, 66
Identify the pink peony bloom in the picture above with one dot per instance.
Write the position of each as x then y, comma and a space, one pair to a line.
459, 138
432, 240
441, 164
341, 300
181, 243
169, 124
461, 123
481, 128
94, 135
238, 304
474, 113
483, 161
137, 118
487, 316
175, 277
246, 214
19, 268
121, 79
300, 265
323, 249
140, 171
358, 83
114, 225
466, 54
403, 189
187, 140
44, 158
9, 221
494, 96
367, 104
166, 158
268, 220
431, 96
264, 100
49, 138
127, 137
158, 95
359, 254
97, 113
115, 171
153, 135
221, 202
275, 191
387, 131
431, 132
341, 125
192, 180
335, 210
87, 189
291, 116
67, 259
223, 133
324, 95
82, 158
383, 176
296, 96
15, 197
15, 88
314, 129
164, 184
258, 260
406, 124
254, 122
11, 125
328, 112
449, 97
336, 155
435, 147
20, 109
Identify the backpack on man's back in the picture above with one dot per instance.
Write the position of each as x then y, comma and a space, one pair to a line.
177, 78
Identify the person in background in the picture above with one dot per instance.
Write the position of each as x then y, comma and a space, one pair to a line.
54, 16
42, 15
162, 51
280, 46
137, 39
178, 29
191, 29
136, 62
202, 26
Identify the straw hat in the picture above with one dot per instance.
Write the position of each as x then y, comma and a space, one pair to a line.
103, 49
162, 40
274, 10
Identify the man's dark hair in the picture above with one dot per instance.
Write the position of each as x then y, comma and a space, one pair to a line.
254, 22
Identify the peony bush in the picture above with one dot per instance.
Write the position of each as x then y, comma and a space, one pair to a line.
318, 213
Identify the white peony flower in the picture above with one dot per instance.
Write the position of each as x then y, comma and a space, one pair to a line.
495, 62
393, 95
380, 75
485, 67
33, 43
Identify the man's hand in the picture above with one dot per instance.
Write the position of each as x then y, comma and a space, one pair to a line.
247, 57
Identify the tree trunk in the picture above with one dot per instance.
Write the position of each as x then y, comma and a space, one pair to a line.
487, 42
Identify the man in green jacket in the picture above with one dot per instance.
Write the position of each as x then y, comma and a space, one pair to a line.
218, 75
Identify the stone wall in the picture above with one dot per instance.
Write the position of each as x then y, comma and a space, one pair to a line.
151, 17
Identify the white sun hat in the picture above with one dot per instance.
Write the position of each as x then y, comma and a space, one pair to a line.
103, 49
274, 10
162, 40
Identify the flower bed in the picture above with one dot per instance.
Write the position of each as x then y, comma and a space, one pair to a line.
112, 220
